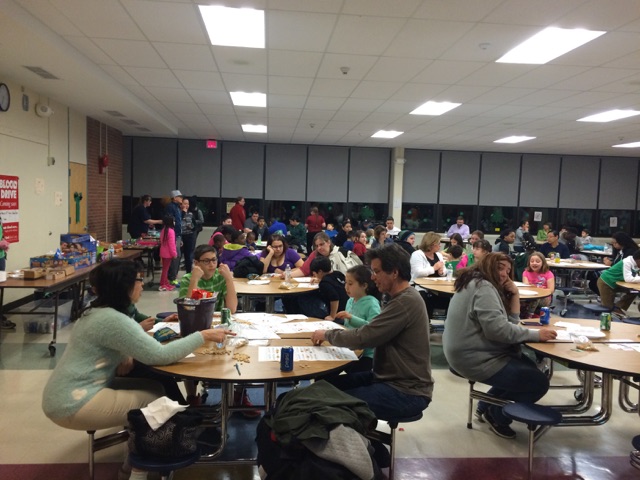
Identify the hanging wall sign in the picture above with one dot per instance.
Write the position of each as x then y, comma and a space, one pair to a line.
9, 208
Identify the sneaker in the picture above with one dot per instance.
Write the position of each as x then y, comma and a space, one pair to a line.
504, 431
620, 313
479, 415
175, 282
167, 288
7, 325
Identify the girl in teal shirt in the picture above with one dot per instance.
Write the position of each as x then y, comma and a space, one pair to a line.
363, 305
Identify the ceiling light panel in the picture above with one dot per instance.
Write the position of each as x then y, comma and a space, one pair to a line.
244, 99
609, 116
548, 44
234, 27
386, 134
628, 145
514, 139
249, 128
434, 108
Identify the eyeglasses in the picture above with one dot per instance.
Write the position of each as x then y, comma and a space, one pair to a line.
207, 261
138, 279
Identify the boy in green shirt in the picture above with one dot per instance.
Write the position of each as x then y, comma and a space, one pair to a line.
297, 233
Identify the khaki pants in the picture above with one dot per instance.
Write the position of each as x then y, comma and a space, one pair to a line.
608, 296
109, 407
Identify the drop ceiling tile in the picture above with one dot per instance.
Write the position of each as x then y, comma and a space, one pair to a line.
252, 61
191, 79
358, 65
597, 15
164, 94
326, 87
99, 19
418, 93
543, 97
206, 97
460, 10
446, 72
426, 38
170, 22
375, 90
461, 93
154, 77
235, 82
389, 69
396, 106
317, 115
193, 119
119, 74
495, 74
129, 53
362, 35
584, 99
287, 101
326, 6
594, 78
381, 8
289, 85
186, 57
283, 122
299, 31
324, 103
360, 105
183, 107
602, 50
90, 50
290, 63
499, 96
284, 112
349, 116
213, 109
544, 76
540, 12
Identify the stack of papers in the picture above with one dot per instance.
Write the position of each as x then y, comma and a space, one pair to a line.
306, 327
272, 354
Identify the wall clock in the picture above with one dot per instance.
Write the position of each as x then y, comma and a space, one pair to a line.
5, 97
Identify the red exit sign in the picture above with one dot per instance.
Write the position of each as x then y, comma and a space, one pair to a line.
212, 144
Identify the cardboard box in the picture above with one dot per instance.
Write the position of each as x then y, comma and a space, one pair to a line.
82, 261
33, 273
66, 270
77, 243
47, 261
55, 274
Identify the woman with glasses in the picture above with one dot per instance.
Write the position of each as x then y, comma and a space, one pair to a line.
85, 391
277, 256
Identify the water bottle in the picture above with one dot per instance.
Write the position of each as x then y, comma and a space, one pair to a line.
259, 239
287, 275
449, 271
111, 251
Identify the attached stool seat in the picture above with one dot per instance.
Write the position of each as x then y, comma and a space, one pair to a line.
106, 441
533, 415
389, 438
163, 465
478, 395
567, 291
634, 456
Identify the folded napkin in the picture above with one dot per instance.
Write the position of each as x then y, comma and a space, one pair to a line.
161, 410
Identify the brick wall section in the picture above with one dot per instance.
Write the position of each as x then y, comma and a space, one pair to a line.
104, 205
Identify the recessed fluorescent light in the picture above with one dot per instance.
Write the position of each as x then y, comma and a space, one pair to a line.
628, 145
243, 99
248, 128
548, 44
609, 116
514, 139
434, 108
386, 134
234, 27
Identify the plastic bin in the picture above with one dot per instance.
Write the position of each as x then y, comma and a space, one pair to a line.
195, 315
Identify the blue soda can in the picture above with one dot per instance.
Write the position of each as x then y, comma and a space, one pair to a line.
286, 359
545, 315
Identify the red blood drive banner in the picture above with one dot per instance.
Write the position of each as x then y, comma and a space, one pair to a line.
9, 208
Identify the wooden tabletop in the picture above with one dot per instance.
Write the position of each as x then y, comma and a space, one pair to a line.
221, 368
598, 253
272, 288
54, 285
629, 285
446, 287
606, 359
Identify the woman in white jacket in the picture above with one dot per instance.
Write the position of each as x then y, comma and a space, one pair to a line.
427, 261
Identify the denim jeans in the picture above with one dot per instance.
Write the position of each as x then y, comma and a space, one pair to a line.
520, 381
175, 263
384, 401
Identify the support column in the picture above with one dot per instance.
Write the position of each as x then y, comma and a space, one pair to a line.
395, 187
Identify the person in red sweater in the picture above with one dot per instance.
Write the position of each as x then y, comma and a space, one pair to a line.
314, 223
238, 214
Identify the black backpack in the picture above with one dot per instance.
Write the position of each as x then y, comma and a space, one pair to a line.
247, 266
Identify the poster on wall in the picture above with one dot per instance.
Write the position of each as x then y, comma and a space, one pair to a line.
9, 208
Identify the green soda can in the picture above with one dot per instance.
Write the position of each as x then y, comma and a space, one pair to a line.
605, 321
225, 316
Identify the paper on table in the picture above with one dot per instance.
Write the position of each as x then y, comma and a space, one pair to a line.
308, 285
272, 354
586, 332
527, 292
520, 284
260, 318
303, 279
258, 282
296, 316
175, 326
299, 327
253, 332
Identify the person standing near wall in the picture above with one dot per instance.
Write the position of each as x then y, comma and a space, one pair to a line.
238, 214
141, 219
174, 210
188, 234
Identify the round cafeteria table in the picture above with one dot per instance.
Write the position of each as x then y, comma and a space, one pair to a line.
270, 291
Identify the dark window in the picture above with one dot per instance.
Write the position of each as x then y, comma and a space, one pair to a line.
495, 219
449, 214
376, 213
418, 217
547, 215
283, 210
333, 212
611, 221
576, 218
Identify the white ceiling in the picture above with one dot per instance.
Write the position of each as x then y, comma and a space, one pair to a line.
150, 61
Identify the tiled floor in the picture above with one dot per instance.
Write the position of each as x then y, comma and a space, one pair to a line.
438, 447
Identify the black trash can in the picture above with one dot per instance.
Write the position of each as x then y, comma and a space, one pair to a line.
195, 315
